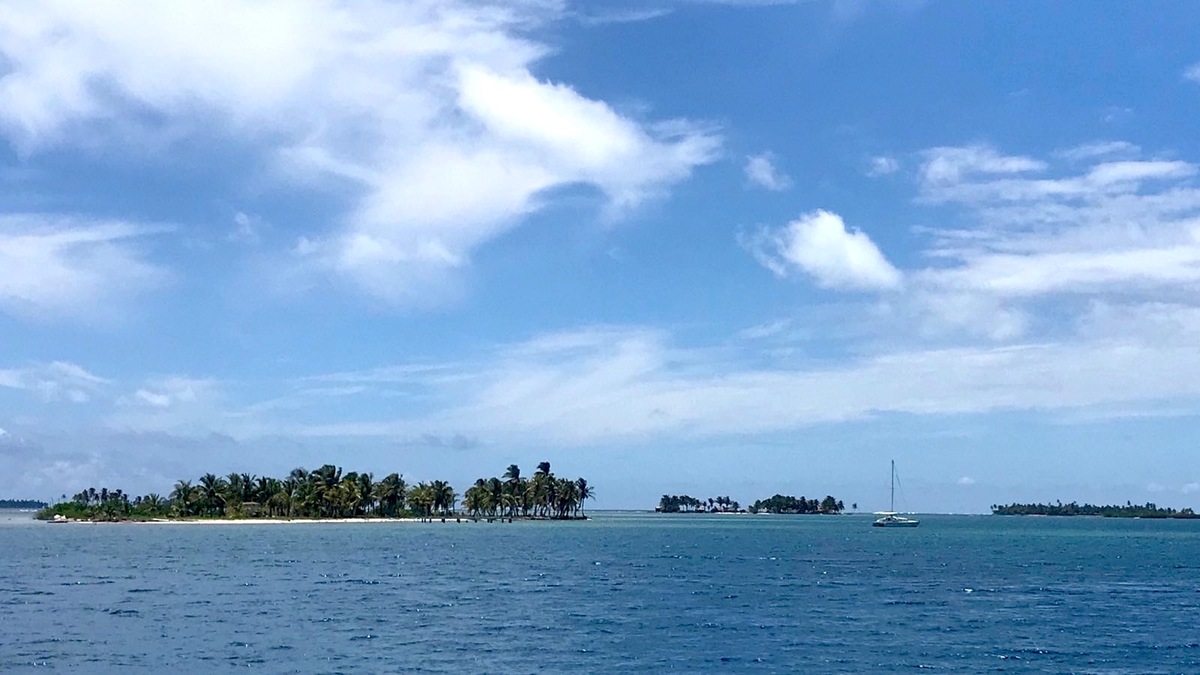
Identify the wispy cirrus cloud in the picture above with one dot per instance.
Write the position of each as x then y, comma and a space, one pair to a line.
952, 165
57, 381
59, 267
606, 384
1098, 150
440, 136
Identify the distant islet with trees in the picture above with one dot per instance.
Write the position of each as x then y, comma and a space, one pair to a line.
776, 504
328, 492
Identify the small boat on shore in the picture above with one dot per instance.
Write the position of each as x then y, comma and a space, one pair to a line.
890, 518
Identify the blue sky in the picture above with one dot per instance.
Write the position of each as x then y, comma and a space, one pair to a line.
680, 246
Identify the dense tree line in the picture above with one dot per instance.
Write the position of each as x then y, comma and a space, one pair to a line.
1129, 510
543, 495
328, 492
789, 504
689, 504
21, 504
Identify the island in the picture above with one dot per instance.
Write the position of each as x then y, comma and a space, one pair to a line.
775, 504
21, 504
1129, 510
689, 504
789, 504
329, 493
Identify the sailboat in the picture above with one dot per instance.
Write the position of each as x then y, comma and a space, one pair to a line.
890, 517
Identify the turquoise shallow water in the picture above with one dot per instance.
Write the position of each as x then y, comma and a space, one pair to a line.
622, 592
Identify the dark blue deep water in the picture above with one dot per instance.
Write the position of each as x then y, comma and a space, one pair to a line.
622, 592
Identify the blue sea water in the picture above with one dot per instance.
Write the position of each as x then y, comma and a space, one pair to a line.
620, 592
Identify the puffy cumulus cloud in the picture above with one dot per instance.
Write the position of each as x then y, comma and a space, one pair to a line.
762, 172
61, 267
428, 112
818, 244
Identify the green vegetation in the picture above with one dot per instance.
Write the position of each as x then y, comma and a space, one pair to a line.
542, 496
689, 504
789, 504
1130, 510
776, 504
21, 504
327, 492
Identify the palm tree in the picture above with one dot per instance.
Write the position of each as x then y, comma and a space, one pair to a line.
422, 499
366, 494
512, 474
586, 491
565, 497
477, 498
211, 488
515, 487
182, 497
324, 482
444, 496
495, 490
391, 492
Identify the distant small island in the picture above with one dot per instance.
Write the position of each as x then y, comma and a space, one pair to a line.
1130, 510
689, 504
21, 504
328, 493
776, 504
789, 504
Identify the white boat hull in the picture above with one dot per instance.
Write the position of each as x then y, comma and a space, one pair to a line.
896, 521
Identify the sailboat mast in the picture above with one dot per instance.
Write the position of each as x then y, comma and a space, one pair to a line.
892, 505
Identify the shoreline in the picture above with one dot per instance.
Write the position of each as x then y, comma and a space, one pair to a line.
456, 520
263, 521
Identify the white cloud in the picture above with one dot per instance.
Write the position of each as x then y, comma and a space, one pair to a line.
173, 404
952, 164
966, 481
1113, 230
766, 330
1111, 173
1190, 488
1193, 73
610, 383
761, 171
437, 124
54, 382
1098, 150
246, 230
171, 391
59, 267
606, 384
883, 166
819, 245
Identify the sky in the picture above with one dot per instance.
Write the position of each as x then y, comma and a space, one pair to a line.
674, 246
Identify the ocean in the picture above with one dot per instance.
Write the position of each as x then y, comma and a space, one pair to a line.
621, 592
